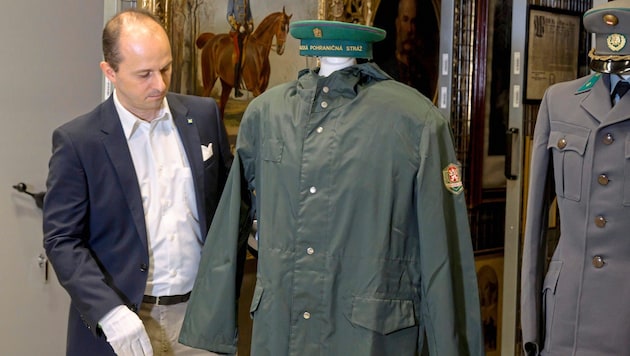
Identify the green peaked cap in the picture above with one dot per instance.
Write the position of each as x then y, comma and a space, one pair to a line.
320, 38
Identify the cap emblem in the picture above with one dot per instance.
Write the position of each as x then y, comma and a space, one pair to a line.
616, 42
317, 32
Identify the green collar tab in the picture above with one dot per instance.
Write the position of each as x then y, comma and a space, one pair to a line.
588, 85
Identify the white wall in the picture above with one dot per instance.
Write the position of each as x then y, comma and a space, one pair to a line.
49, 55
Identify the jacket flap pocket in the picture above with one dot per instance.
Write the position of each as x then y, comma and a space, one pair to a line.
258, 292
551, 279
567, 137
382, 315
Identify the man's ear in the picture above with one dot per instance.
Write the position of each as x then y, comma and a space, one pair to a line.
108, 71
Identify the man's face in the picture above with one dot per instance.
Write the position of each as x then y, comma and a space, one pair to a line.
406, 26
337, 8
144, 73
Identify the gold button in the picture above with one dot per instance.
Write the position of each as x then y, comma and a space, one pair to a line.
313, 190
609, 139
324, 104
320, 129
603, 179
598, 262
325, 89
306, 315
611, 20
310, 251
562, 143
600, 221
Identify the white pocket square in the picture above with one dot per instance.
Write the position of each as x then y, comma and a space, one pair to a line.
206, 151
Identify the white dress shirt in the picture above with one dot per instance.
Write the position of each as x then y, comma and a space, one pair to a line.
168, 199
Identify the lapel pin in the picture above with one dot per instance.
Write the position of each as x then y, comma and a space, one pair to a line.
189, 121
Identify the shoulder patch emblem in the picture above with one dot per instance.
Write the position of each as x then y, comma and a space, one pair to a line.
452, 179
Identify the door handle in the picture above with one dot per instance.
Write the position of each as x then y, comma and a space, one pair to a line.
510, 137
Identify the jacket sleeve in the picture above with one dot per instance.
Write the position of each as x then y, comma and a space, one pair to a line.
210, 320
66, 233
450, 301
539, 196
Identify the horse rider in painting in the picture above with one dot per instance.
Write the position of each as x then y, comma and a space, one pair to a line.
239, 16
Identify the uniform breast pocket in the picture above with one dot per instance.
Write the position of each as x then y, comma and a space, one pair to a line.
568, 144
272, 150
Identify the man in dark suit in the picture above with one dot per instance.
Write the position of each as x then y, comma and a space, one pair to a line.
132, 188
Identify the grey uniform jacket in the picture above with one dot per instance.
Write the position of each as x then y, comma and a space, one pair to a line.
582, 306
363, 248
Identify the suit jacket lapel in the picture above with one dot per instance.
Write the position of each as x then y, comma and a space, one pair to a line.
115, 144
597, 101
189, 135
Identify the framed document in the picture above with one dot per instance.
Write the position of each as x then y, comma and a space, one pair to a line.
553, 41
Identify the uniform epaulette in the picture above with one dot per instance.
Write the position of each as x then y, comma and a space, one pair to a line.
589, 84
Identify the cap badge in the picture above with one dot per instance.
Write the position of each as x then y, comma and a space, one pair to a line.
611, 20
317, 32
452, 179
616, 42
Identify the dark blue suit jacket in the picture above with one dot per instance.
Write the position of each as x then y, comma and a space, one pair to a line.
94, 227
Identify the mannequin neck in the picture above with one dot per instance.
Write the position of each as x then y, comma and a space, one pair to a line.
327, 65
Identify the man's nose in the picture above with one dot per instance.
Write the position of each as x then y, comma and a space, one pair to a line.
160, 82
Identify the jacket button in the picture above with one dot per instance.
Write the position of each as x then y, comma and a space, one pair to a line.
598, 262
603, 179
608, 139
144, 267
306, 315
600, 221
562, 143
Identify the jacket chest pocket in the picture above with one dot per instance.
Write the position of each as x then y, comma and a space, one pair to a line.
568, 144
272, 150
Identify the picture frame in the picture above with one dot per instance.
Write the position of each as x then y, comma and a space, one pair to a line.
553, 44
489, 268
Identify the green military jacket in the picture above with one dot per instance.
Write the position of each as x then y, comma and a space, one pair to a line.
364, 243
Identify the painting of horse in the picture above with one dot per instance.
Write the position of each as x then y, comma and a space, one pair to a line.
217, 52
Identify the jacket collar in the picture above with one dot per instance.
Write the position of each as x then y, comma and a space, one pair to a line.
597, 100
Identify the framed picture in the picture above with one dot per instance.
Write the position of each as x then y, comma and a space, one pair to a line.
410, 51
553, 42
490, 282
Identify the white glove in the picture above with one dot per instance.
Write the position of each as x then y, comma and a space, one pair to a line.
125, 332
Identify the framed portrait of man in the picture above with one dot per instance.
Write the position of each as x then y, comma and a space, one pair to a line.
410, 52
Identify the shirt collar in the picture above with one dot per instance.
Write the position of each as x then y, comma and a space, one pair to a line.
131, 122
616, 78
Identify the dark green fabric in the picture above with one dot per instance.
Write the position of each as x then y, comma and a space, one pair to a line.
356, 226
